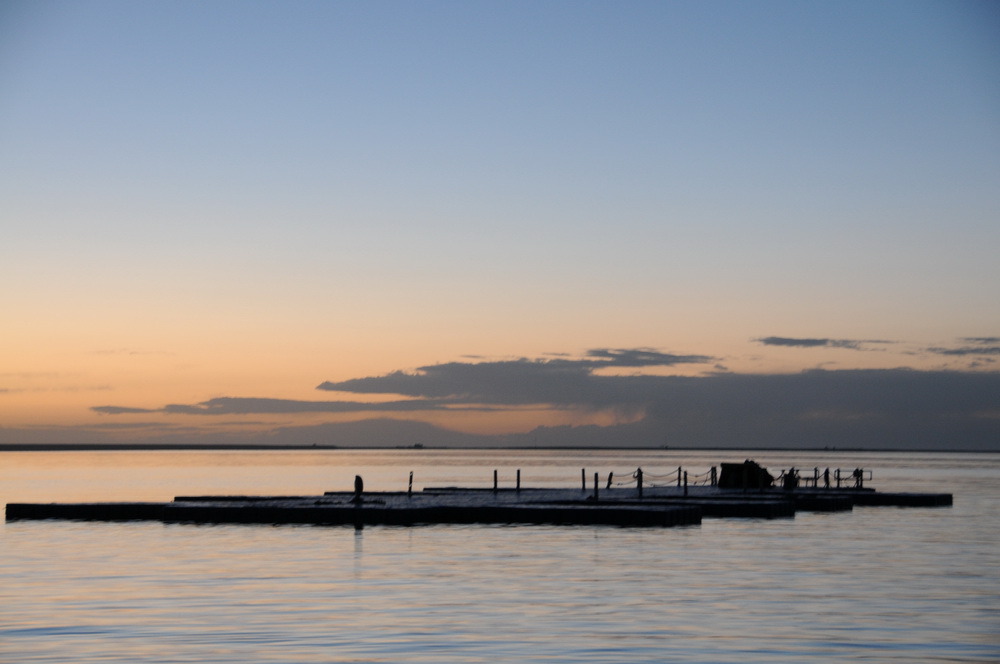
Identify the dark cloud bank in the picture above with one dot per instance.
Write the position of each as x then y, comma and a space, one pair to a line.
877, 409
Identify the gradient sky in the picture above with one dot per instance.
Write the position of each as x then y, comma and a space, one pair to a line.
239, 202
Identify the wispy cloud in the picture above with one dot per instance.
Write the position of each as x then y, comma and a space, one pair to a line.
261, 406
982, 346
851, 344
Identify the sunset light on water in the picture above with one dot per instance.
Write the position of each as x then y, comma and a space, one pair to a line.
254, 248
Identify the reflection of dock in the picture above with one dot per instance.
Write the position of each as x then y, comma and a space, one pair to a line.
653, 506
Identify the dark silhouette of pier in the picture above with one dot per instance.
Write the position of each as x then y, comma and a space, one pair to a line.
679, 498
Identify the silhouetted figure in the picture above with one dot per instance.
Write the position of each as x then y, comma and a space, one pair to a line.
791, 480
359, 488
857, 478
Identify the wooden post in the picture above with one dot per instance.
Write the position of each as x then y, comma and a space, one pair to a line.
409, 487
518, 479
838, 477
596, 487
678, 475
494, 480
610, 475
815, 478
583, 479
638, 480
685, 482
715, 476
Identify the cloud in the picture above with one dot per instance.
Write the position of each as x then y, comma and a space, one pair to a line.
121, 410
520, 382
864, 408
981, 349
243, 406
852, 344
252, 405
801, 343
639, 357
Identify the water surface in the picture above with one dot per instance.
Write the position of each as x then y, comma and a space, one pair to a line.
875, 585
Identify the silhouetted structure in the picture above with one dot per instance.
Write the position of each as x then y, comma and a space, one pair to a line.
746, 475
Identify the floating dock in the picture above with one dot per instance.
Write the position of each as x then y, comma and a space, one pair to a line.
653, 506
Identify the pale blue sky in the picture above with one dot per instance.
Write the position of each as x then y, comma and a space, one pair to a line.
390, 184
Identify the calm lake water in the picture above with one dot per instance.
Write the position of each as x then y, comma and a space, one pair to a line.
875, 585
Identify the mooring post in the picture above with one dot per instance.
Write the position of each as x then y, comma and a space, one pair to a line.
678, 475
596, 487
494, 480
826, 478
409, 486
715, 476
610, 475
583, 479
638, 480
518, 479
685, 482
837, 473
815, 478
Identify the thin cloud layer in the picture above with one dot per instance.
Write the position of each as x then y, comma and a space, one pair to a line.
791, 342
981, 347
262, 406
865, 408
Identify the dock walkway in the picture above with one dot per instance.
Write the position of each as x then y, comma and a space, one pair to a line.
655, 506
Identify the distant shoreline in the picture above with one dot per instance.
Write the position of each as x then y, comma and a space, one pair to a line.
179, 447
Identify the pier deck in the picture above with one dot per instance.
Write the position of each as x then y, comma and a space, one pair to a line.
659, 506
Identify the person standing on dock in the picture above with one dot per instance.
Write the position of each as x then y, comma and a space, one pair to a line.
359, 488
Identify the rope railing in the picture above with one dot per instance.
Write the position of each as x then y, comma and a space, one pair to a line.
837, 478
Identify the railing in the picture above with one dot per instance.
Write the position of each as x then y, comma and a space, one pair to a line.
639, 479
838, 478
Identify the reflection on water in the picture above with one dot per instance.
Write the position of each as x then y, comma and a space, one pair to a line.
877, 585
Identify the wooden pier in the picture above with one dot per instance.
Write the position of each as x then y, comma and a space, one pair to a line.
636, 506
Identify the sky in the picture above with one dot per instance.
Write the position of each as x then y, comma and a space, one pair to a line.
475, 223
